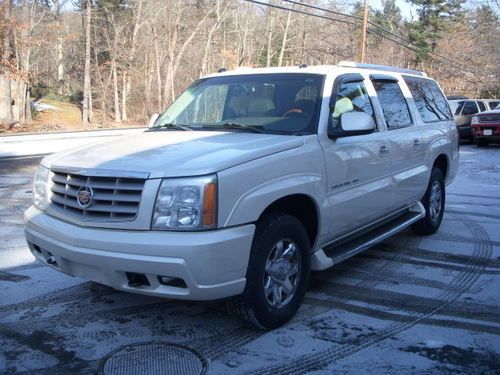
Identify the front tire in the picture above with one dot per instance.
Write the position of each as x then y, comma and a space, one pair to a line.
277, 274
433, 202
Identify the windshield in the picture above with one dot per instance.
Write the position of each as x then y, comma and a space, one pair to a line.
280, 103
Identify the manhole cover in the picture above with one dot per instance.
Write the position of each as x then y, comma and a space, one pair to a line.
153, 358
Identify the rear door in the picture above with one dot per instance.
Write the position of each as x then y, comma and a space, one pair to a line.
358, 167
405, 140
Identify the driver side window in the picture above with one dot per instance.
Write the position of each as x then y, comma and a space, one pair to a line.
351, 96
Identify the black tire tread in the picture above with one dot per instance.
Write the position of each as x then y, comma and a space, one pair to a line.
425, 226
239, 306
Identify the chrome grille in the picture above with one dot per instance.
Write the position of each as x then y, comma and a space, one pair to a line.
114, 198
489, 118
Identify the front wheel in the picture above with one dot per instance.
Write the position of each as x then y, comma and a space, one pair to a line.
277, 274
433, 201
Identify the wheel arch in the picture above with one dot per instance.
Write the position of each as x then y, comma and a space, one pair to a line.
442, 163
301, 206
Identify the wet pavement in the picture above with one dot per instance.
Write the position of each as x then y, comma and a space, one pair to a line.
409, 305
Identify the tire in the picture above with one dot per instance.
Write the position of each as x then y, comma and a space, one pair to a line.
481, 143
254, 307
435, 191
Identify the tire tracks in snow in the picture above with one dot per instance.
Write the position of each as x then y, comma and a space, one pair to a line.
458, 286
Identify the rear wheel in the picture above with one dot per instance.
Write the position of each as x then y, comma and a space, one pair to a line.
481, 142
433, 201
277, 274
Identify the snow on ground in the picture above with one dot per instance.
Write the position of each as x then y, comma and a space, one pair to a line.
409, 305
40, 107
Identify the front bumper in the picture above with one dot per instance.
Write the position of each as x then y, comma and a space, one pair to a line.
493, 128
212, 264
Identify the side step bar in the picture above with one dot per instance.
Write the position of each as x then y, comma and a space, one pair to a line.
334, 254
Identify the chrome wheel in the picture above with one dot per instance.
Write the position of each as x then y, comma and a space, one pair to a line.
282, 273
435, 201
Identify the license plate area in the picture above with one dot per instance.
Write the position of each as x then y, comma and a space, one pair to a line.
487, 132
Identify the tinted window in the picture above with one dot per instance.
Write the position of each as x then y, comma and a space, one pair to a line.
481, 105
493, 105
271, 103
456, 107
393, 103
470, 108
429, 100
351, 96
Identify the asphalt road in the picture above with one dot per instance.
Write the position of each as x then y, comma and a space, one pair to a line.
409, 305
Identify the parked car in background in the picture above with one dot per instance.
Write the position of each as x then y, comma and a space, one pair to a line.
463, 110
486, 127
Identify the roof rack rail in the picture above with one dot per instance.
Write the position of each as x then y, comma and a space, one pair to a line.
352, 64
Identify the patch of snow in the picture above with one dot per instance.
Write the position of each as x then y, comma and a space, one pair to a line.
433, 344
40, 107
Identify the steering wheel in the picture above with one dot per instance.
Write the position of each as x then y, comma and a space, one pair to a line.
295, 112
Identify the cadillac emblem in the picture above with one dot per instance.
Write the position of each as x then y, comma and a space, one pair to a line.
85, 197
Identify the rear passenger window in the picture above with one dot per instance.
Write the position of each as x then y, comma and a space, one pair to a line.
429, 100
482, 107
393, 103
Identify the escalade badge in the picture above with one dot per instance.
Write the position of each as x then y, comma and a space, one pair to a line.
85, 197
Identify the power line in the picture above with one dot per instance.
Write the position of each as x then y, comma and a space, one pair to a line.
299, 11
420, 49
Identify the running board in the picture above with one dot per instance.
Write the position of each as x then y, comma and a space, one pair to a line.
334, 254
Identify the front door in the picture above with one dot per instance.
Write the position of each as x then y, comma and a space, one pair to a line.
358, 167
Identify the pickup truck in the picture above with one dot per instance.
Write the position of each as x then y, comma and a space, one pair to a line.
249, 181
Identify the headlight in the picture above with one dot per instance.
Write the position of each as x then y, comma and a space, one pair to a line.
40, 187
186, 204
474, 120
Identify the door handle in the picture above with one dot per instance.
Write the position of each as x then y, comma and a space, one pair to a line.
416, 143
383, 151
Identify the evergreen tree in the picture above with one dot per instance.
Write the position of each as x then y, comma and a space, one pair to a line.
433, 18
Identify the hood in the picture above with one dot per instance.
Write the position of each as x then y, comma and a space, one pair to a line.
174, 153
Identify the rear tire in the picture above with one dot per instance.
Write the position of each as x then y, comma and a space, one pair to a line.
433, 202
273, 290
481, 142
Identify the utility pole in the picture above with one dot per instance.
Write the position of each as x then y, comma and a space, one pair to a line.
362, 48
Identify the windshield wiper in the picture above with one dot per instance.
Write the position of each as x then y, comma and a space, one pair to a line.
170, 125
237, 125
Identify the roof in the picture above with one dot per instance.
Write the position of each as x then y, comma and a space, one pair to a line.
343, 67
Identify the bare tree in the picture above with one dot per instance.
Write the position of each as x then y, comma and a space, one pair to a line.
86, 114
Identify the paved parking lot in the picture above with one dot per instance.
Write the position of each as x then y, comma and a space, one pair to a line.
410, 305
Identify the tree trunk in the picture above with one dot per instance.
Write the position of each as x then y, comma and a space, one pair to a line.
283, 42
6, 115
86, 79
125, 84
59, 47
118, 117
270, 25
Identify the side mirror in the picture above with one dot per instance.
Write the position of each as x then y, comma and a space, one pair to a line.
153, 119
353, 123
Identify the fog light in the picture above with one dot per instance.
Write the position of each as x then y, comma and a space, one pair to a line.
165, 279
172, 281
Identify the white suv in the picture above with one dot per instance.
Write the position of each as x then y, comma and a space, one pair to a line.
247, 182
